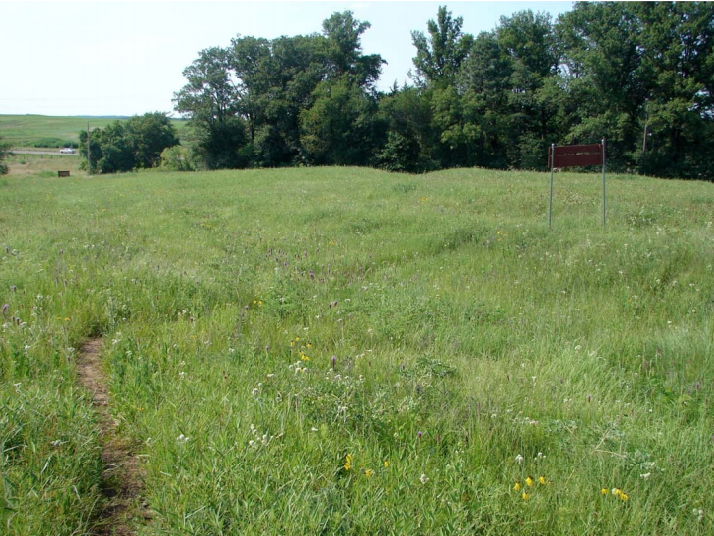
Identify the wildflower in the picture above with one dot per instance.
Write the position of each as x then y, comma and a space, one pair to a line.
348, 462
368, 472
529, 481
419, 434
386, 463
645, 476
604, 491
332, 362
623, 496
525, 496
616, 492
541, 480
519, 459
699, 513
423, 478
309, 346
182, 438
4, 310
517, 487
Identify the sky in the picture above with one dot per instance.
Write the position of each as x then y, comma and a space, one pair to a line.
126, 58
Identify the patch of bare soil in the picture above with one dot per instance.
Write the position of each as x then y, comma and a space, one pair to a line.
121, 474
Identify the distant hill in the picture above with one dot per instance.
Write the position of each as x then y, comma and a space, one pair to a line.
56, 131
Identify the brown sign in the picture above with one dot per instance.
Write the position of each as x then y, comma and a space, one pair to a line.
576, 155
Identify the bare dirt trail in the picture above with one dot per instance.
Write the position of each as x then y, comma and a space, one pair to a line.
121, 474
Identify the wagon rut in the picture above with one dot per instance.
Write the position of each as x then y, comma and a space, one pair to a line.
121, 471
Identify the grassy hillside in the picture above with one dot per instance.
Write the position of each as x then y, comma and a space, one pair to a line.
46, 131
346, 351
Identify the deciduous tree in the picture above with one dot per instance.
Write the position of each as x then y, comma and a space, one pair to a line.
4, 152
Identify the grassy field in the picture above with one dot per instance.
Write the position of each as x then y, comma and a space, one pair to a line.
346, 351
30, 165
32, 130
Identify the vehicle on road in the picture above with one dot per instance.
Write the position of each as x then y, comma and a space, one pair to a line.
67, 150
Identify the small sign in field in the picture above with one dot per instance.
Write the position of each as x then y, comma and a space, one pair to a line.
63, 173
576, 155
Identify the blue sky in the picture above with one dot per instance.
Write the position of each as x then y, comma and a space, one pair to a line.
126, 58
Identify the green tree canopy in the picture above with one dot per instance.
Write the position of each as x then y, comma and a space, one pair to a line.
126, 145
439, 56
4, 152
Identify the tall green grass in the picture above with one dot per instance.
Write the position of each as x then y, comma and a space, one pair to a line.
472, 348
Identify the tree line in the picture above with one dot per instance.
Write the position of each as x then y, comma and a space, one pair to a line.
639, 74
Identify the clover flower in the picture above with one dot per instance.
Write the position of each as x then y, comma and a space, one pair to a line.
423, 478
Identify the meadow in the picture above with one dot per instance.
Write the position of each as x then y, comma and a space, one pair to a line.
348, 351
44, 131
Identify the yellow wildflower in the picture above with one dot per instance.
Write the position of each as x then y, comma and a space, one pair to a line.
541, 480
529, 481
623, 496
386, 463
517, 487
368, 472
525, 496
348, 462
604, 491
309, 346
616, 492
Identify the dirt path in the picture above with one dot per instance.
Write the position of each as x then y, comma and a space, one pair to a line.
121, 474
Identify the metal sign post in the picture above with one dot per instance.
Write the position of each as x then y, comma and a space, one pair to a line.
550, 204
603, 183
89, 154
